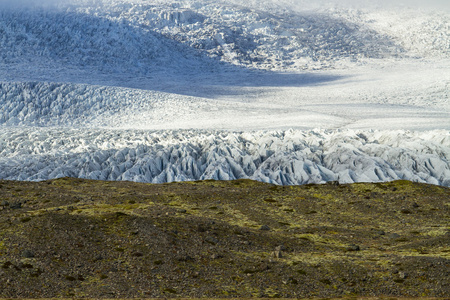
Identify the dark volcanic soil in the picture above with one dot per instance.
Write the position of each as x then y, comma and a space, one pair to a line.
81, 238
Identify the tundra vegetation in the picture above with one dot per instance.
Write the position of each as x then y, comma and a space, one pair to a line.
82, 238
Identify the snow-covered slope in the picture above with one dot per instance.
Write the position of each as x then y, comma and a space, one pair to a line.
79, 105
89, 88
143, 36
326, 102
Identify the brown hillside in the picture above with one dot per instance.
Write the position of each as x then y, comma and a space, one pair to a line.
82, 238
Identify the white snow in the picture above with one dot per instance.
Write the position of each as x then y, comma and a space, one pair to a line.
278, 91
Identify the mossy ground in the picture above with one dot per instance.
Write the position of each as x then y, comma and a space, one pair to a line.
83, 238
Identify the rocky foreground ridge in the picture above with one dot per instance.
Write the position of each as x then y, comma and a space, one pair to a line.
82, 238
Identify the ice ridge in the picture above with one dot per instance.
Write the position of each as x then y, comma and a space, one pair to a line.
281, 157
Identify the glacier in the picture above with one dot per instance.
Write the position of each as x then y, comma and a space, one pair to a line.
286, 92
280, 157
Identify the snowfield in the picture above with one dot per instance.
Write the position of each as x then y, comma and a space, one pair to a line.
278, 91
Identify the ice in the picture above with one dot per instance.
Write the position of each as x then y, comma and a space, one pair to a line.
278, 91
287, 157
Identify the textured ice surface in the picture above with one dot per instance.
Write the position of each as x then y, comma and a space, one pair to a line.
143, 36
281, 157
159, 91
